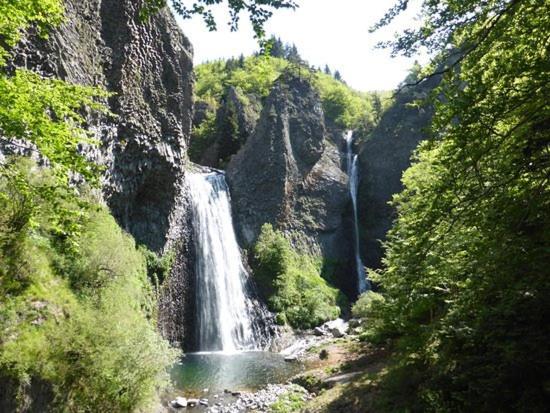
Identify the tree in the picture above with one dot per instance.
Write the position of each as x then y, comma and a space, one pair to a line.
44, 113
277, 48
259, 11
292, 54
337, 75
327, 70
466, 276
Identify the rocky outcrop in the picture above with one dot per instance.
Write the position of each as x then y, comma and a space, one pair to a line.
235, 121
289, 174
148, 67
176, 302
384, 156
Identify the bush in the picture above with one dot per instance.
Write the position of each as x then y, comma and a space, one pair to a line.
82, 322
292, 282
367, 305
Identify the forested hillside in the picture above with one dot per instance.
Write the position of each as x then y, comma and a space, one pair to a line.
256, 235
229, 96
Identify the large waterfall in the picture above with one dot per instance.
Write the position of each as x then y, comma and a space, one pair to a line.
353, 174
227, 319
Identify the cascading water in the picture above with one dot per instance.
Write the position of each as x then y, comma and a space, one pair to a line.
227, 319
362, 283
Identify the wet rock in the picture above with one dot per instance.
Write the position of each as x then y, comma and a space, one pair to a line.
203, 402
318, 331
192, 402
338, 332
179, 402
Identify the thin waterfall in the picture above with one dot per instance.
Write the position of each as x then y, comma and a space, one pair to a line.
227, 318
362, 283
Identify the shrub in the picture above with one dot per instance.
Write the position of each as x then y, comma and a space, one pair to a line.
82, 322
367, 305
292, 282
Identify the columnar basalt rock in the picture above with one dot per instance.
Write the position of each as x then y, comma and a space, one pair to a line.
147, 65
289, 174
383, 158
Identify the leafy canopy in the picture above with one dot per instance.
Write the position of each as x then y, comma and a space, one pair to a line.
258, 11
292, 282
344, 106
465, 275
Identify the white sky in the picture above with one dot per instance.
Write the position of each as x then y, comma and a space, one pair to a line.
333, 32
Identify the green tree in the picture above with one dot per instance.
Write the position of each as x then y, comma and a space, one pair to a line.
466, 273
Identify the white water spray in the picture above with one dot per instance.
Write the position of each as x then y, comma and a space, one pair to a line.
225, 319
353, 174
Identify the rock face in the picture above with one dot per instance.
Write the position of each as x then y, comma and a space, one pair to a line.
148, 66
382, 160
235, 121
289, 174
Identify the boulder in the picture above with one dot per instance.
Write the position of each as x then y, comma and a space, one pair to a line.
179, 402
338, 332
192, 402
318, 331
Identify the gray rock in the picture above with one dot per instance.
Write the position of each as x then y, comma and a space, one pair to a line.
383, 158
318, 331
337, 332
148, 67
179, 402
192, 402
288, 173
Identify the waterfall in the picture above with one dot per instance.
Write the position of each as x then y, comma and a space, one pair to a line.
362, 283
227, 318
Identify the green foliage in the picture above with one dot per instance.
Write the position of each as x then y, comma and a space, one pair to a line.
80, 320
203, 137
367, 305
158, 266
259, 11
43, 112
18, 15
47, 113
370, 309
292, 282
344, 106
289, 402
466, 279
76, 307
255, 74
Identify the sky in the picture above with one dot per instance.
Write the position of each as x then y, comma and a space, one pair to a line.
333, 32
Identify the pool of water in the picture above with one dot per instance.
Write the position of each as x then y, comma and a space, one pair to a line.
243, 371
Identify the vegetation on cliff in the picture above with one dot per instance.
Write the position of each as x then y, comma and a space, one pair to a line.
292, 282
77, 311
465, 277
252, 79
